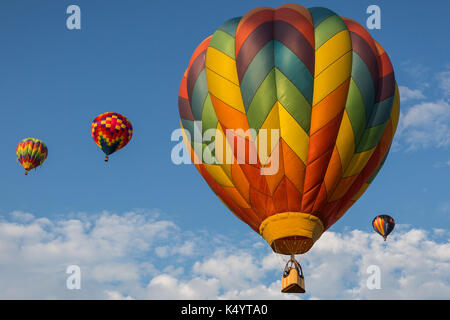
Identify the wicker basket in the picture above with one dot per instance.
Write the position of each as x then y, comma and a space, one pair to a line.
292, 280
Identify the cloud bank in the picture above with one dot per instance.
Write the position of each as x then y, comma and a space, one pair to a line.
141, 255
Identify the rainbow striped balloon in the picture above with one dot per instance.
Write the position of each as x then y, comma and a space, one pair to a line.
383, 225
318, 79
111, 131
31, 153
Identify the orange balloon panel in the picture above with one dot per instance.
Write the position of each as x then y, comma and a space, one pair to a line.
322, 95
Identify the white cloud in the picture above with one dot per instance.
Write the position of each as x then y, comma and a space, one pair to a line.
425, 125
118, 258
166, 286
259, 292
115, 295
444, 81
441, 164
409, 261
185, 249
235, 270
416, 70
410, 94
21, 216
112, 272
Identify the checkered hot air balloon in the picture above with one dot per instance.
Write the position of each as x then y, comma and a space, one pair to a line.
319, 80
111, 131
31, 153
383, 225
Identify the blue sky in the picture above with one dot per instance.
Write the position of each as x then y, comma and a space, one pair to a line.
129, 57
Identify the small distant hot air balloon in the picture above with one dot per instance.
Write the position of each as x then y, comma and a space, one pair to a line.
318, 80
31, 153
383, 225
111, 131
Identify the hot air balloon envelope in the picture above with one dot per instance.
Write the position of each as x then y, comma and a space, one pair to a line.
383, 225
329, 90
31, 153
111, 131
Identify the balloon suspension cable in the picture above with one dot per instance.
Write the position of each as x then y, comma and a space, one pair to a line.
292, 263
295, 262
280, 257
106, 158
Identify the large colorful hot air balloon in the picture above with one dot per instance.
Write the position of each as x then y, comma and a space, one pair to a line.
111, 131
383, 225
329, 89
31, 153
